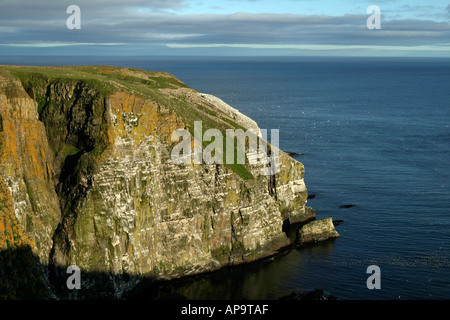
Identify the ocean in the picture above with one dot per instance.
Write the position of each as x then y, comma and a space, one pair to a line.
371, 132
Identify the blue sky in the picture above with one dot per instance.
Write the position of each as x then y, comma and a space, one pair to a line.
226, 27
411, 9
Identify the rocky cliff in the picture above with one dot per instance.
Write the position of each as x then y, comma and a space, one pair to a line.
87, 179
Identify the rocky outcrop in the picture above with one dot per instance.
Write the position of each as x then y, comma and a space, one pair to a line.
309, 295
233, 113
87, 171
317, 230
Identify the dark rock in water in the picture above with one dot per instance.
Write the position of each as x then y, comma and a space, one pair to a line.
347, 205
337, 222
316, 294
311, 196
292, 154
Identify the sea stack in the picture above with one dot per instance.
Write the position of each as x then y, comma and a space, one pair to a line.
318, 230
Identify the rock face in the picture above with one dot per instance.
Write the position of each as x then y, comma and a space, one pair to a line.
87, 178
318, 230
30, 206
233, 113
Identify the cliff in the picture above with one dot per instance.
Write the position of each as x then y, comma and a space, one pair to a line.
87, 179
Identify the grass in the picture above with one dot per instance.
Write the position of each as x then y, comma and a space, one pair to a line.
105, 79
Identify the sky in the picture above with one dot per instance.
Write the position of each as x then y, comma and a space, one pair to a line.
226, 27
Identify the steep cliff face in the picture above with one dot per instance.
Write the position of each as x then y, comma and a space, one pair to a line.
26, 170
89, 180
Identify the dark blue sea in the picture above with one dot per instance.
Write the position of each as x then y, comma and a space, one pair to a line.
372, 132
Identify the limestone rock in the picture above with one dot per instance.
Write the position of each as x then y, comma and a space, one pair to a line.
86, 163
317, 230
242, 119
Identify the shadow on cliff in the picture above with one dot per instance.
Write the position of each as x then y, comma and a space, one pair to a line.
24, 277
21, 275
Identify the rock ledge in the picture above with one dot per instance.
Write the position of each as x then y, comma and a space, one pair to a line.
318, 230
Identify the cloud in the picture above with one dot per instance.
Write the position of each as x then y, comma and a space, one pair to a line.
310, 47
50, 44
141, 23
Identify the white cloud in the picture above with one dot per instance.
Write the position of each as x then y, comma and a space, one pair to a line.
443, 47
58, 44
